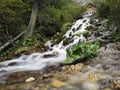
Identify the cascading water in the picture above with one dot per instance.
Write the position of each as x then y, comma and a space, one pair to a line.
56, 54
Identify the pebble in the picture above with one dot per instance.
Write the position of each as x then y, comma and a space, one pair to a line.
107, 89
36, 88
58, 83
30, 79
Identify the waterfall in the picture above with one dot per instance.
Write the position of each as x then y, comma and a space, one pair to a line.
55, 55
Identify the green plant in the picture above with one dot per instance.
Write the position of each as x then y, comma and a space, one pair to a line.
86, 34
82, 51
66, 26
20, 50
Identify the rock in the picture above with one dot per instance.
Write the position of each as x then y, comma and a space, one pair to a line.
36, 88
48, 55
90, 85
107, 89
70, 87
98, 24
76, 67
95, 76
12, 64
67, 41
58, 83
91, 77
115, 84
30, 79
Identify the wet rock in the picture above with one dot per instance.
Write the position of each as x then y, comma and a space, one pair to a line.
51, 55
115, 84
95, 76
88, 85
98, 24
76, 67
67, 41
90, 27
70, 87
36, 88
79, 27
45, 76
48, 55
30, 79
98, 34
107, 89
15, 78
12, 64
58, 83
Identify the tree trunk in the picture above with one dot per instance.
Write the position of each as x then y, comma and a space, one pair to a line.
10, 42
32, 22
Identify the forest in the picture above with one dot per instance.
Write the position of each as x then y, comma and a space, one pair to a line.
60, 44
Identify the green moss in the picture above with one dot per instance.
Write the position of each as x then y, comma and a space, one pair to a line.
20, 50
92, 21
67, 41
66, 26
89, 28
86, 34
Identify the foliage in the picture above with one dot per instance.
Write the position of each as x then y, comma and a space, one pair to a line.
12, 18
20, 50
86, 34
53, 17
59, 37
66, 26
103, 10
23, 45
110, 9
82, 51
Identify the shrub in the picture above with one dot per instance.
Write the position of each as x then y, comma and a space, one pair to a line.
53, 16
82, 51
103, 10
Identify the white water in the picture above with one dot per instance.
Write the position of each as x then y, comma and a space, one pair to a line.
38, 61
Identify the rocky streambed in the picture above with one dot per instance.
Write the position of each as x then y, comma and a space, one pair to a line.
101, 73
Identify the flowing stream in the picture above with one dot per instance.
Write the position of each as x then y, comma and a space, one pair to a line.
57, 53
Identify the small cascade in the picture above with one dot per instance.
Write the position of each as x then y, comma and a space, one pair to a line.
55, 55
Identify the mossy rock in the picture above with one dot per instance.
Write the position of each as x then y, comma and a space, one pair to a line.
97, 34
89, 28
58, 40
92, 21
67, 41
87, 34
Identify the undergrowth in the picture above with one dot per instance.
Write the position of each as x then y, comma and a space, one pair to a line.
82, 51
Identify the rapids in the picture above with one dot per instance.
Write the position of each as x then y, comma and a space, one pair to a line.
57, 53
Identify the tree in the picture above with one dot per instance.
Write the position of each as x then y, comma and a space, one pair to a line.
13, 18
114, 11
32, 22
